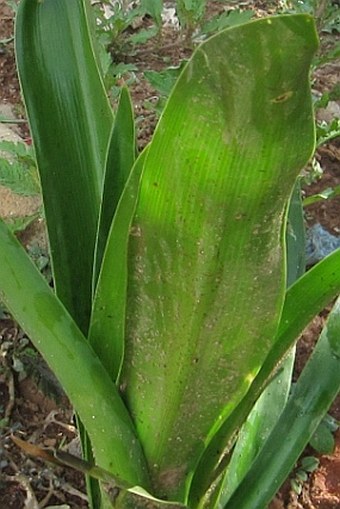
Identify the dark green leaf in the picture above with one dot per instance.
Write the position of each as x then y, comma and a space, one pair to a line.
70, 120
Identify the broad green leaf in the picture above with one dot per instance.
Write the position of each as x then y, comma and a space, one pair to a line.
314, 392
307, 297
84, 379
107, 326
206, 258
121, 495
70, 120
120, 158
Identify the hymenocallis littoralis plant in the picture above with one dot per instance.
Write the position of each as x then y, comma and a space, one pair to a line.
170, 312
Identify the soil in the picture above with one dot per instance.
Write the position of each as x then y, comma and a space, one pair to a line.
32, 403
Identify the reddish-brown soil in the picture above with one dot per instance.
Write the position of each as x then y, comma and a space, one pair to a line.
33, 405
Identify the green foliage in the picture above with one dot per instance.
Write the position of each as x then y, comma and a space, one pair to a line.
19, 224
190, 13
18, 168
307, 465
170, 299
325, 194
323, 439
113, 38
163, 82
42, 261
115, 23
18, 172
327, 13
225, 20
331, 18
327, 131
329, 55
154, 8
112, 24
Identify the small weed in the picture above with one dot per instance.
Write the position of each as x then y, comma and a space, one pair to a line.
154, 8
331, 18
19, 224
163, 83
308, 464
119, 27
18, 168
326, 131
42, 261
323, 439
226, 19
326, 13
313, 173
325, 194
19, 173
190, 14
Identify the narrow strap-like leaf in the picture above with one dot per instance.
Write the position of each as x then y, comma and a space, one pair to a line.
120, 158
107, 326
70, 120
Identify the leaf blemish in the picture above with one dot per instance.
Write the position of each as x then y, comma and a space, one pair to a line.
283, 97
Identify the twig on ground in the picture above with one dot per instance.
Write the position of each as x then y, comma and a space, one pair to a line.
11, 394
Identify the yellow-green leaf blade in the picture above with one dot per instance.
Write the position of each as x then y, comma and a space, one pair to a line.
207, 268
